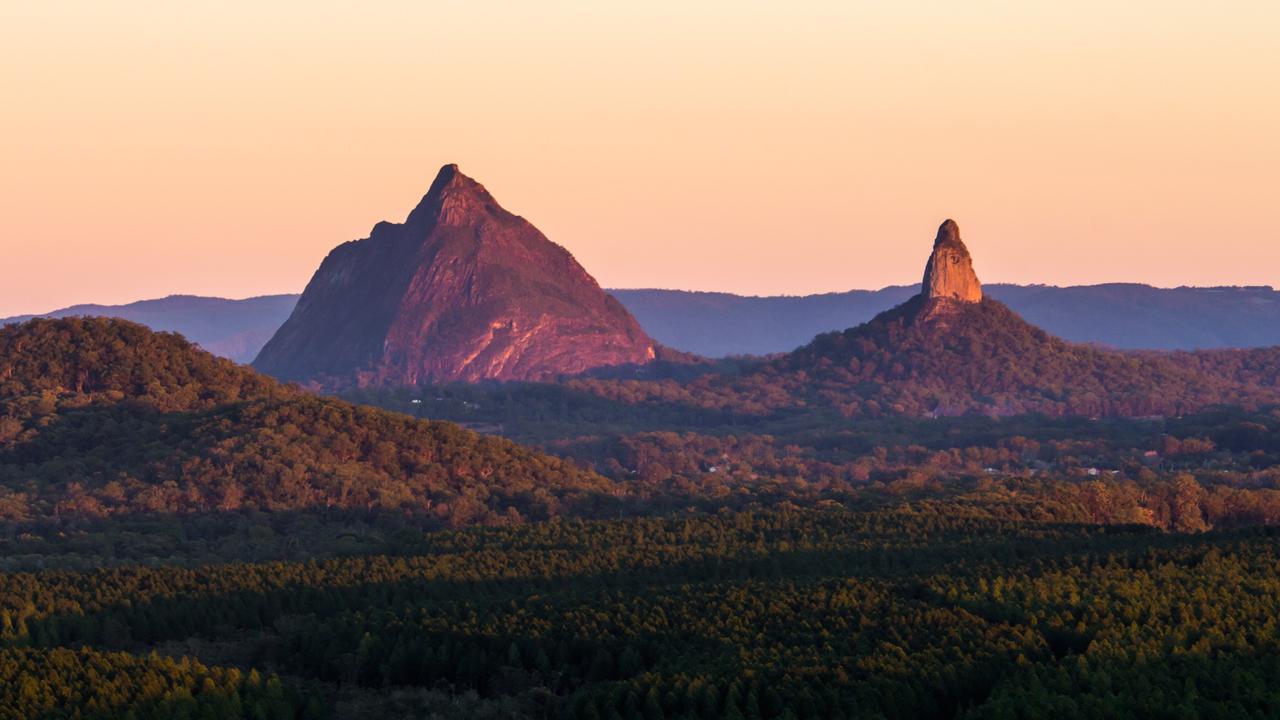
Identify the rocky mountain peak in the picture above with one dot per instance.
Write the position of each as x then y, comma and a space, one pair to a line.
461, 291
452, 199
949, 273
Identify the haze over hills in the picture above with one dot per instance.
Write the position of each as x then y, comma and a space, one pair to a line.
1121, 315
462, 290
235, 329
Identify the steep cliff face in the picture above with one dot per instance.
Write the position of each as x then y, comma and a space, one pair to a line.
949, 273
461, 291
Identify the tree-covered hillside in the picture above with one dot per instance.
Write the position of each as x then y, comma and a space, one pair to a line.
182, 537
928, 610
924, 358
101, 417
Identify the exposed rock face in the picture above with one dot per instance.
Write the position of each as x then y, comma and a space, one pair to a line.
461, 291
949, 274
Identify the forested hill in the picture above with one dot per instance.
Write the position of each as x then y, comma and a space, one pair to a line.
936, 357
984, 358
106, 360
1121, 315
101, 417
1254, 366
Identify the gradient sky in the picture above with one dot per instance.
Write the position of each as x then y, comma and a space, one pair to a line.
223, 148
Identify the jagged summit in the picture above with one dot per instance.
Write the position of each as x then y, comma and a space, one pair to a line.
461, 291
948, 232
452, 199
949, 273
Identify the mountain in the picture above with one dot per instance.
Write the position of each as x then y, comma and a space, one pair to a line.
950, 350
949, 274
462, 290
104, 417
235, 329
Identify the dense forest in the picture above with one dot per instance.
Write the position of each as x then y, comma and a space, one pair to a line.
101, 417
1257, 366
927, 609
1223, 462
181, 537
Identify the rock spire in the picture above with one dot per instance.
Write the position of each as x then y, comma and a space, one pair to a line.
949, 274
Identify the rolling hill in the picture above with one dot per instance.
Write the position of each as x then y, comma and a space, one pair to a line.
105, 417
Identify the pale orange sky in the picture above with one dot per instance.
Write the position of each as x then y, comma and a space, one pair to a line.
223, 148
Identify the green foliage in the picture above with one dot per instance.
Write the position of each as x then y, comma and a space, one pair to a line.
1078, 469
966, 567
86, 684
103, 417
928, 610
918, 360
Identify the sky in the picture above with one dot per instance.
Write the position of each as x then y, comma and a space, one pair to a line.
223, 148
